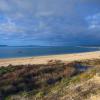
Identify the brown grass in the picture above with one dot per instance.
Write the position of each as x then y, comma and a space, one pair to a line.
39, 80
15, 79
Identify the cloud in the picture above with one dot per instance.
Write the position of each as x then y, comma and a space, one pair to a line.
49, 20
94, 21
38, 7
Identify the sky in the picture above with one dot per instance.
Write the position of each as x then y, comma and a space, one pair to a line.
49, 22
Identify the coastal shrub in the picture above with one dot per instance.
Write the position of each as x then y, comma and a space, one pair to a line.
31, 77
4, 70
40, 94
28, 78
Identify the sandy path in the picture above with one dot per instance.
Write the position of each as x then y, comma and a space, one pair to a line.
45, 59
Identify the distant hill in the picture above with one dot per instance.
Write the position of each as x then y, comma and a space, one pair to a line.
91, 45
3, 45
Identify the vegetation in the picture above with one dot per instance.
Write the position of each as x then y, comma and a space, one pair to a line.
53, 81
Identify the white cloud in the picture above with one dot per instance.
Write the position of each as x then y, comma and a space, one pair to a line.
43, 19
8, 27
94, 21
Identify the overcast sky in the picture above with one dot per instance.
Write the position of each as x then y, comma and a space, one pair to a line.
49, 22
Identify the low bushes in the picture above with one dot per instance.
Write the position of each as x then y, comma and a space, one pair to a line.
34, 78
14, 79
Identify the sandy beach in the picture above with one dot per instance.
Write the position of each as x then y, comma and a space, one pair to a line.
45, 59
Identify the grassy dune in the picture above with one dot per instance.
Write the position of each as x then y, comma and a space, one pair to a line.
56, 80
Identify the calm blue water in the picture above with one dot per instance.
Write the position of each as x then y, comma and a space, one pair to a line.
13, 52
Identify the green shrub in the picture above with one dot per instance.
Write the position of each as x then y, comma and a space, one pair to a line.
4, 70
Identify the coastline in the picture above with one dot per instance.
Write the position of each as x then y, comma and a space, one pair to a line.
45, 59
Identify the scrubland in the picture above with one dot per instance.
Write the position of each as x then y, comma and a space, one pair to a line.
56, 80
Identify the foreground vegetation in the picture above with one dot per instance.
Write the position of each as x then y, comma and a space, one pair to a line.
79, 80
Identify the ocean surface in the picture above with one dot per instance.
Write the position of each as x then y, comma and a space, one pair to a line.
14, 52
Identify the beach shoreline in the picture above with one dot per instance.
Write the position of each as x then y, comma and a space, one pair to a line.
45, 59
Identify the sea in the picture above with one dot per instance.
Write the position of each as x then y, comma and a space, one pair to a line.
30, 51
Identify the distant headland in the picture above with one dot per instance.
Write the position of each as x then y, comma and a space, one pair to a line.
3, 45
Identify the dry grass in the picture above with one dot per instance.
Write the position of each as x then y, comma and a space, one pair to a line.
53, 81
15, 79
